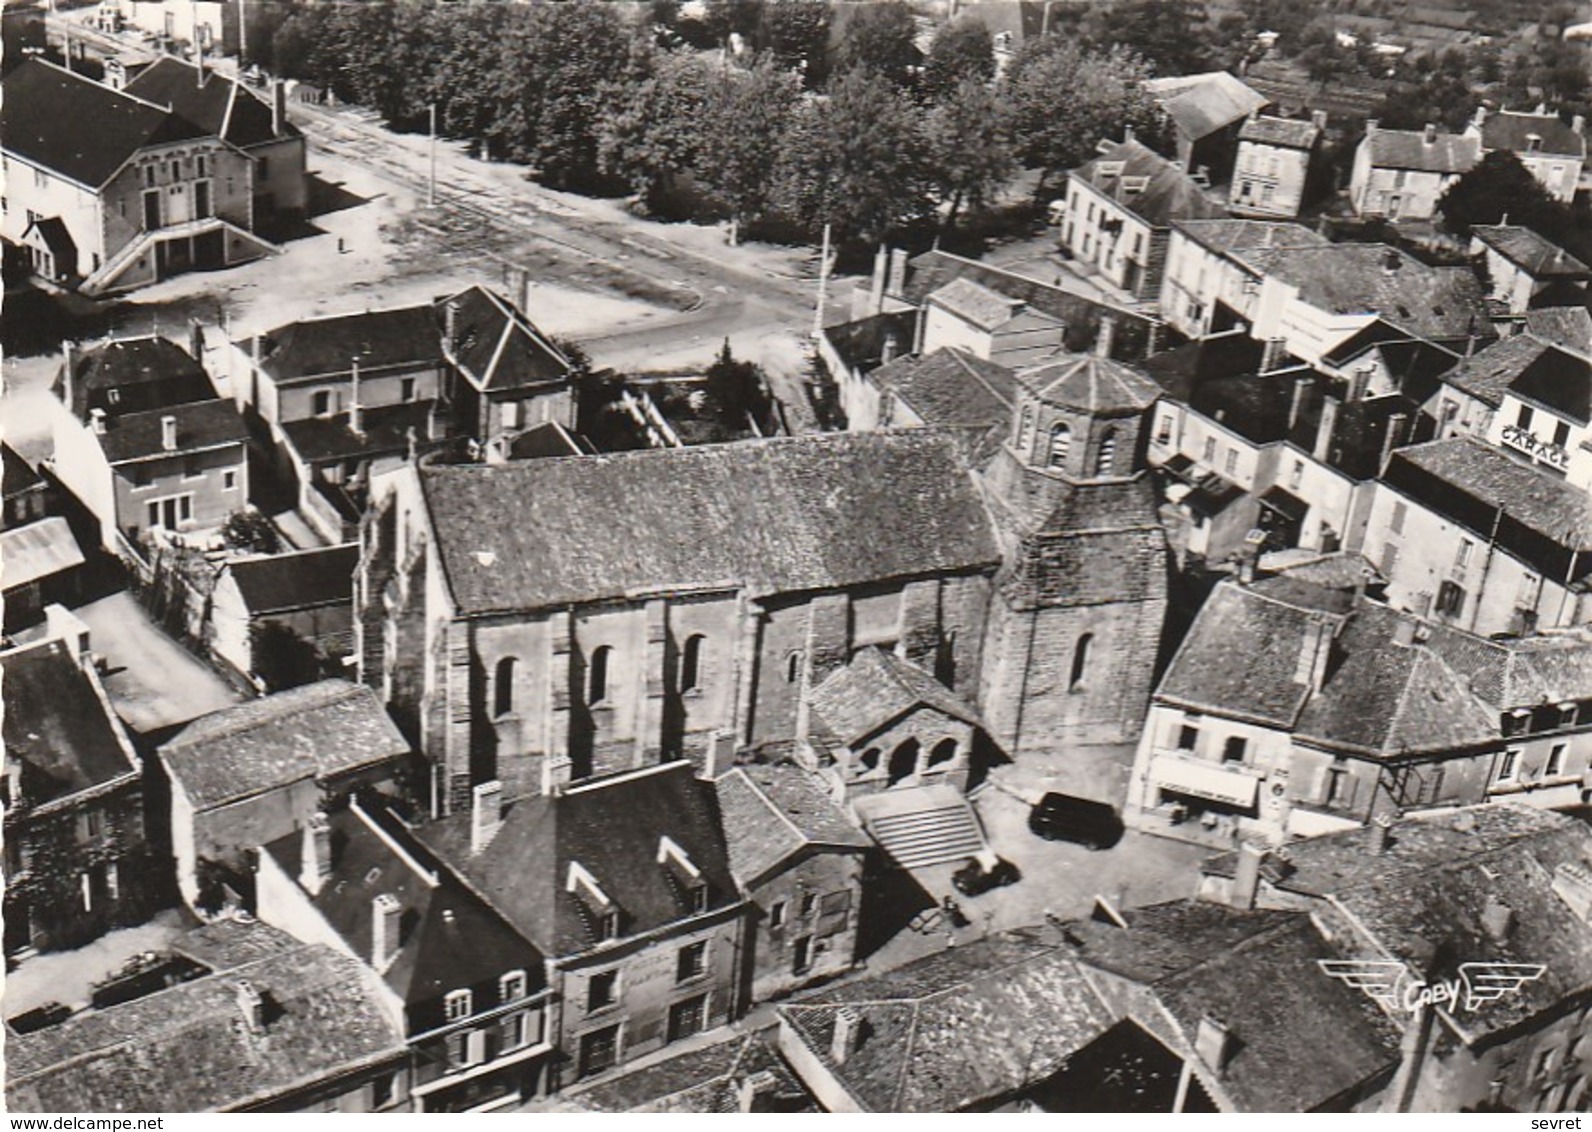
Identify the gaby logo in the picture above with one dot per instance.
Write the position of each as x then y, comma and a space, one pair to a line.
1389, 983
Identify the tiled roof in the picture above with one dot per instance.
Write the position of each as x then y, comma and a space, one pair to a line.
447, 937
496, 345
876, 689
1569, 328
300, 579
984, 308
969, 1025
1091, 383
1237, 235
1557, 380
546, 440
146, 373
1361, 431
1409, 149
1538, 256
952, 388
219, 104
316, 347
775, 516
1183, 369
109, 126
189, 1049
1510, 129
319, 731
612, 827
1291, 133
1204, 103
1486, 374
772, 812
200, 425
704, 1080
59, 726
1146, 184
384, 430
37, 550
860, 343
1431, 302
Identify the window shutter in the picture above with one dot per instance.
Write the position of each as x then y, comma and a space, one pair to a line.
477, 1047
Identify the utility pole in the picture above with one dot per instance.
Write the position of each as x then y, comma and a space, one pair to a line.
823, 285
431, 185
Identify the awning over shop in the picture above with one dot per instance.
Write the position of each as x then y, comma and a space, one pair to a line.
1212, 496
1203, 780
1285, 503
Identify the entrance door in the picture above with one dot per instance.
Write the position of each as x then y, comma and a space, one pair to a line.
151, 209
201, 199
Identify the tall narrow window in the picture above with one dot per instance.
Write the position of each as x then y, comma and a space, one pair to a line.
597, 676
503, 687
1080, 660
1107, 457
691, 663
1060, 445
1025, 430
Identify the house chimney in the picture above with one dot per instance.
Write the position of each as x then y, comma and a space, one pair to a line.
96, 420
1578, 123
486, 814
1246, 875
881, 268
1314, 645
1370, 126
1382, 824
897, 283
1479, 118
1329, 425
1404, 633
168, 433
68, 378
1272, 355
1301, 390
356, 412
433, 423
1391, 261
1395, 434
251, 1006
450, 324
1127, 134
1105, 337
316, 857
556, 772
756, 1090
1497, 920
1213, 1042
1318, 119
1360, 382
385, 912
848, 1034
278, 107
1429, 134
887, 352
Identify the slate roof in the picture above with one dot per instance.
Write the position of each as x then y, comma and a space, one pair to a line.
298, 579
447, 937
976, 303
201, 425
613, 828
59, 726
774, 516
1557, 380
1409, 149
496, 344
1183, 369
16, 474
1567, 327
319, 731
1486, 374
548, 439
1288, 133
1230, 236
401, 337
877, 688
37, 550
146, 372
951, 1031
221, 106
860, 343
1538, 256
1258, 406
1430, 302
772, 812
1256, 971
1509, 129
36, 97
1169, 194
188, 1048
1360, 431
385, 431
1422, 900
703, 1080
952, 388
1204, 103
1091, 383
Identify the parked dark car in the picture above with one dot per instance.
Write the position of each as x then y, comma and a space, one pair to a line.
972, 879
1062, 817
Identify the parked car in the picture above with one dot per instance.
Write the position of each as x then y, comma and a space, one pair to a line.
973, 879
1062, 817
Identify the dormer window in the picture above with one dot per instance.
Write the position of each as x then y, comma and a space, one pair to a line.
456, 1005
511, 987
608, 925
684, 876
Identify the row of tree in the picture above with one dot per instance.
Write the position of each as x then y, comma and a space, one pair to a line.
856, 128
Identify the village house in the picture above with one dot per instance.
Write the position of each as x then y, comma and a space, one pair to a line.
1382, 359
624, 884
740, 1073
43, 562
1345, 710
77, 855
246, 1019
1211, 283
133, 193
1468, 533
1118, 215
308, 593
1434, 895
246, 775
146, 445
1273, 172
212, 25
800, 861
1401, 174
1205, 114
1521, 265
477, 1011
1551, 148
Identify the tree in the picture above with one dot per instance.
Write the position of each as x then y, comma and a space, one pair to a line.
970, 153
742, 135
250, 531
1170, 35
962, 49
1498, 186
1104, 94
738, 391
855, 160
796, 33
878, 38
652, 130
